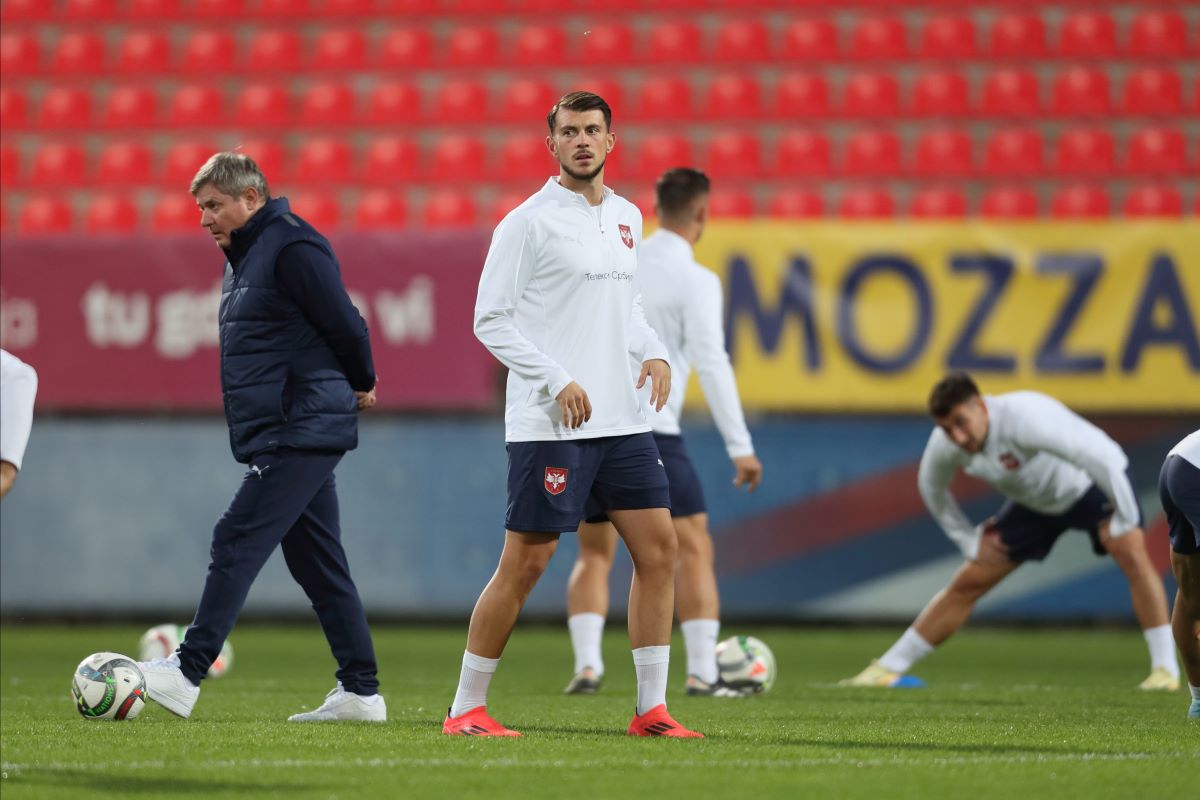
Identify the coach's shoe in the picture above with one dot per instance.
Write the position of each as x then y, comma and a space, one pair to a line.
586, 681
343, 706
1160, 680
475, 722
874, 675
657, 722
1194, 710
166, 685
696, 687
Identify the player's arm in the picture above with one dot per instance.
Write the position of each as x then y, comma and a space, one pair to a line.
17, 392
646, 347
938, 465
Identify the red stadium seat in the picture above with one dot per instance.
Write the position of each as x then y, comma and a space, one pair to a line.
1087, 34
796, 204
109, 213
742, 40
20, 53
88, 10
866, 202
124, 163
1157, 151
209, 52
44, 214
220, 9
607, 88
809, 40
183, 160
147, 10
78, 53
380, 209
65, 107
945, 153
503, 204
1011, 93
1014, 151
275, 50
1085, 151
610, 44
539, 46
1153, 91
286, 9
673, 42
460, 100
458, 158
733, 97
201, 106
734, 155
405, 48
394, 102
938, 202
1082, 92
472, 47
872, 94
730, 204
661, 152
327, 103
875, 38
131, 107
948, 37
145, 52
872, 154
1017, 36
802, 154
449, 209
339, 49
1080, 201
391, 160
10, 165
323, 160
664, 97
527, 100
14, 108
25, 10
1153, 200
318, 208
1010, 202
802, 96
525, 156
270, 157
175, 212
263, 105
1158, 34
345, 8
941, 94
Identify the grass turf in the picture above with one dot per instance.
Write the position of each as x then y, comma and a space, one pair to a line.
1007, 713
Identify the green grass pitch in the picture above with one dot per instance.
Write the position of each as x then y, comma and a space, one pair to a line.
1024, 714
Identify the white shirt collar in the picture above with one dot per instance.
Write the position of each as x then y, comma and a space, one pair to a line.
678, 246
565, 194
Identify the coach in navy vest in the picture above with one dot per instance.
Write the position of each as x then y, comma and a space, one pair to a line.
296, 370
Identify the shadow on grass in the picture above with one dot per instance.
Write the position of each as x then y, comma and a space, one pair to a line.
161, 785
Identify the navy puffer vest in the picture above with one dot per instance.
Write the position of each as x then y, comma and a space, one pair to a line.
282, 385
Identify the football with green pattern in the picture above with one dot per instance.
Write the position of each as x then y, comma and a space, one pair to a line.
746, 662
108, 686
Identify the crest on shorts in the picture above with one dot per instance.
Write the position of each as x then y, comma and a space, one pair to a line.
1009, 461
626, 236
556, 480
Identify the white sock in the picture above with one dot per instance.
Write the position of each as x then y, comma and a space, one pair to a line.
650, 664
908, 650
700, 639
586, 632
1195, 690
1162, 649
473, 683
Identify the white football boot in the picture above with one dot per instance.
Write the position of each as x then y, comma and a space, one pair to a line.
166, 685
343, 706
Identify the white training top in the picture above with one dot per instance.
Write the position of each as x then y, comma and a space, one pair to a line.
1039, 454
1188, 449
18, 386
559, 302
683, 303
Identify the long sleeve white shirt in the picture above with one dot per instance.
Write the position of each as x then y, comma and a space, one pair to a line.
683, 303
558, 302
18, 387
1038, 453
1188, 449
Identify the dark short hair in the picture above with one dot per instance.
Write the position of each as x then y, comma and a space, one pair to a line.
677, 188
957, 387
580, 101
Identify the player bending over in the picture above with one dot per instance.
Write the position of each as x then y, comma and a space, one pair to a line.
1179, 487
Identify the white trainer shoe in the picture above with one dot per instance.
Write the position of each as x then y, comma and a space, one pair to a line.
166, 685
343, 706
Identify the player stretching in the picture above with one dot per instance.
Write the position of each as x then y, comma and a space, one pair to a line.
557, 306
683, 305
1058, 472
1179, 487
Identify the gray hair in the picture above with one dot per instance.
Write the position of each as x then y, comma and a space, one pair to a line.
231, 173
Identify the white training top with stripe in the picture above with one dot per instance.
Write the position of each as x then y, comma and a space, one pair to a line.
1039, 454
1188, 449
18, 387
559, 302
683, 303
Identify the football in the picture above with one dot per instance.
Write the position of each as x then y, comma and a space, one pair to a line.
746, 662
108, 686
162, 640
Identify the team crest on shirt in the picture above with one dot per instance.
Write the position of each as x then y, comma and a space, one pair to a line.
556, 480
1010, 461
626, 235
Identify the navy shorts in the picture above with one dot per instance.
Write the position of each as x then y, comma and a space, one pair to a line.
687, 495
1179, 488
1029, 535
550, 483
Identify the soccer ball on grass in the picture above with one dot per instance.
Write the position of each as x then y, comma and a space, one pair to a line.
109, 686
746, 663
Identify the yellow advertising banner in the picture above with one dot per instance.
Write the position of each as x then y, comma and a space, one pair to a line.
868, 316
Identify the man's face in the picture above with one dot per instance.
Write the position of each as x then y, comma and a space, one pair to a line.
222, 214
581, 142
966, 424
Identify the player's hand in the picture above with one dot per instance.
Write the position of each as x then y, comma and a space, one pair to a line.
365, 400
659, 372
747, 472
575, 405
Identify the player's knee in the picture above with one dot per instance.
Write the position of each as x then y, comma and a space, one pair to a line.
695, 549
658, 553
